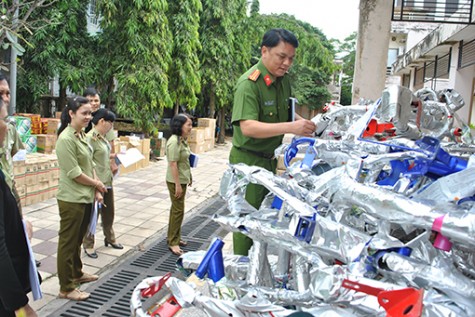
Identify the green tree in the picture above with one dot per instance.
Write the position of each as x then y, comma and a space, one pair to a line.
137, 42
313, 65
348, 50
61, 49
255, 7
225, 52
12, 26
184, 76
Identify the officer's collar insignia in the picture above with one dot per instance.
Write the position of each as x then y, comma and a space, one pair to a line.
255, 74
81, 135
267, 80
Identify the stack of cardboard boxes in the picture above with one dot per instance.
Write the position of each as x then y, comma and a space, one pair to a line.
36, 178
201, 138
143, 145
37, 134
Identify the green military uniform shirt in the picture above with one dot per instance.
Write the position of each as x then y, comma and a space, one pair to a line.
180, 153
11, 145
74, 158
101, 149
262, 97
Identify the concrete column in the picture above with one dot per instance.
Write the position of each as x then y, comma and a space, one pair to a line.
372, 49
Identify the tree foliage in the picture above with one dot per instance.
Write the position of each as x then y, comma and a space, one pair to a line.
184, 75
60, 49
152, 54
137, 39
13, 26
348, 49
225, 49
313, 64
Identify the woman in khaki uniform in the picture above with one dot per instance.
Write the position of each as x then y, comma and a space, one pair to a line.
178, 178
77, 190
102, 121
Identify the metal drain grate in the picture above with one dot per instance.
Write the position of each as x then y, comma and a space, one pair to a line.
110, 296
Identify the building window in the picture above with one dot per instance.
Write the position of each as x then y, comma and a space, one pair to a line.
466, 54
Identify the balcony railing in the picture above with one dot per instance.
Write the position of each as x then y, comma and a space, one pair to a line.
435, 11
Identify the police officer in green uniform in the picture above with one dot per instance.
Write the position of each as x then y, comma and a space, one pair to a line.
261, 114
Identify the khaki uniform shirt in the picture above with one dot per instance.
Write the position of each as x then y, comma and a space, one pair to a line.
262, 97
180, 153
110, 136
11, 146
101, 152
74, 158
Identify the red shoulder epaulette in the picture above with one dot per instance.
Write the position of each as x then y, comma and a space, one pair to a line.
255, 74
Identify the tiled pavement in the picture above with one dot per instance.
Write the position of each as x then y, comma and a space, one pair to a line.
142, 204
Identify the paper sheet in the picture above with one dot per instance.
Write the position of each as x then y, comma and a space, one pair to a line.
91, 230
130, 157
32, 270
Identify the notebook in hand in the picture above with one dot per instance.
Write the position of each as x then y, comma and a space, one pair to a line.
193, 159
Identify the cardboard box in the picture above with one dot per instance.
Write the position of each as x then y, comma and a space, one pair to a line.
54, 169
19, 168
23, 125
45, 143
53, 126
58, 114
130, 142
30, 143
126, 170
31, 169
197, 135
209, 133
43, 170
209, 145
197, 148
207, 122
21, 190
20, 180
146, 143
32, 198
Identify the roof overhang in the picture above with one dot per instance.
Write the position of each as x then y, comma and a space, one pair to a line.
437, 43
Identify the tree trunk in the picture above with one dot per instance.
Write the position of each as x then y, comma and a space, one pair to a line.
110, 90
62, 101
176, 108
222, 126
212, 102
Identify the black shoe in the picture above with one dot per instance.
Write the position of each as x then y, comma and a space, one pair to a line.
93, 254
114, 245
38, 263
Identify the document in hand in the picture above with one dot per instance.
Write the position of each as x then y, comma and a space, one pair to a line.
130, 157
193, 159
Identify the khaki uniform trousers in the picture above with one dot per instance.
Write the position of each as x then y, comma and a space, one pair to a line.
107, 220
73, 225
255, 194
177, 212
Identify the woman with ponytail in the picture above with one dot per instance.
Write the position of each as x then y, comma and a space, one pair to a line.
78, 187
178, 178
102, 122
